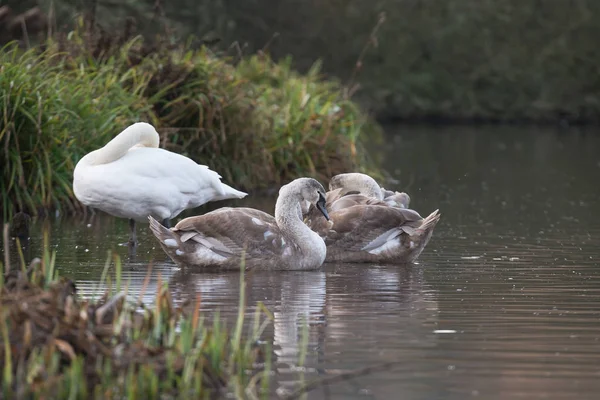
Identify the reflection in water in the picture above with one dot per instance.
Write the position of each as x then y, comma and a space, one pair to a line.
295, 298
503, 303
343, 305
302, 302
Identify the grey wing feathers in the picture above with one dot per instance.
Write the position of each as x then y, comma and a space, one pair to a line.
359, 226
229, 231
381, 239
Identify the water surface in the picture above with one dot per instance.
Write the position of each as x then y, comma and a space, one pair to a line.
504, 303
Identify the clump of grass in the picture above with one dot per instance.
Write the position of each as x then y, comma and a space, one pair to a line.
260, 123
315, 128
54, 344
257, 122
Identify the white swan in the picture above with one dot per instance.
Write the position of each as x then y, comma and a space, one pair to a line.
131, 177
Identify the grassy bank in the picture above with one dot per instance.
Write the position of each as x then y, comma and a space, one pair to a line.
257, 122
54, 344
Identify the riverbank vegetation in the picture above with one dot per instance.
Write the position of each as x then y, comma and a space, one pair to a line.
54, 344
257, 122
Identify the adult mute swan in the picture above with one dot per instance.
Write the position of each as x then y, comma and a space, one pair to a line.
222, 238
131, 177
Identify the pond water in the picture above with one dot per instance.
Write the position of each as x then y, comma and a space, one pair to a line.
504, 303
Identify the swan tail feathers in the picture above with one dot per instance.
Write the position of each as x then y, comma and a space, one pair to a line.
169, 241
430, 222
231, 193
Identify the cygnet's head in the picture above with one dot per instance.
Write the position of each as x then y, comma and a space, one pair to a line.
308, 190
355, 182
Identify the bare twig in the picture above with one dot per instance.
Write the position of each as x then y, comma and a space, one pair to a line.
93, 9
236, 46
372, 41
269, 42
51, 20
25, 33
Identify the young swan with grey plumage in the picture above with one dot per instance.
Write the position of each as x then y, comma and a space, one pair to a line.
356, 188
376, 233
351, 189
370, 224
223, 238
356, 182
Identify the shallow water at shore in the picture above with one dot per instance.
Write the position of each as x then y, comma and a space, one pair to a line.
504, 302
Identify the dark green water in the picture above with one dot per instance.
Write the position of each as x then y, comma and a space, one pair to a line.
504, 303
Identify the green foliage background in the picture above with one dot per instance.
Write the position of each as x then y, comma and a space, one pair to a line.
442, 59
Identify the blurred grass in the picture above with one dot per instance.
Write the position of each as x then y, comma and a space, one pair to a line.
444, 60
57, 345
508, 61
435, 60
257, 122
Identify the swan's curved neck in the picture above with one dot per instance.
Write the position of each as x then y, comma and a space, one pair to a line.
140, 134
288, 215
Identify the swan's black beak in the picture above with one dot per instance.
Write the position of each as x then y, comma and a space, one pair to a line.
321, 206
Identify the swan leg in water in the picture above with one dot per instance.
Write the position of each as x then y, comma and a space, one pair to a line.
132, 237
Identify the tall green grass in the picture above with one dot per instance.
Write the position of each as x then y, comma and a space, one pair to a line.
315, 127
257, 122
